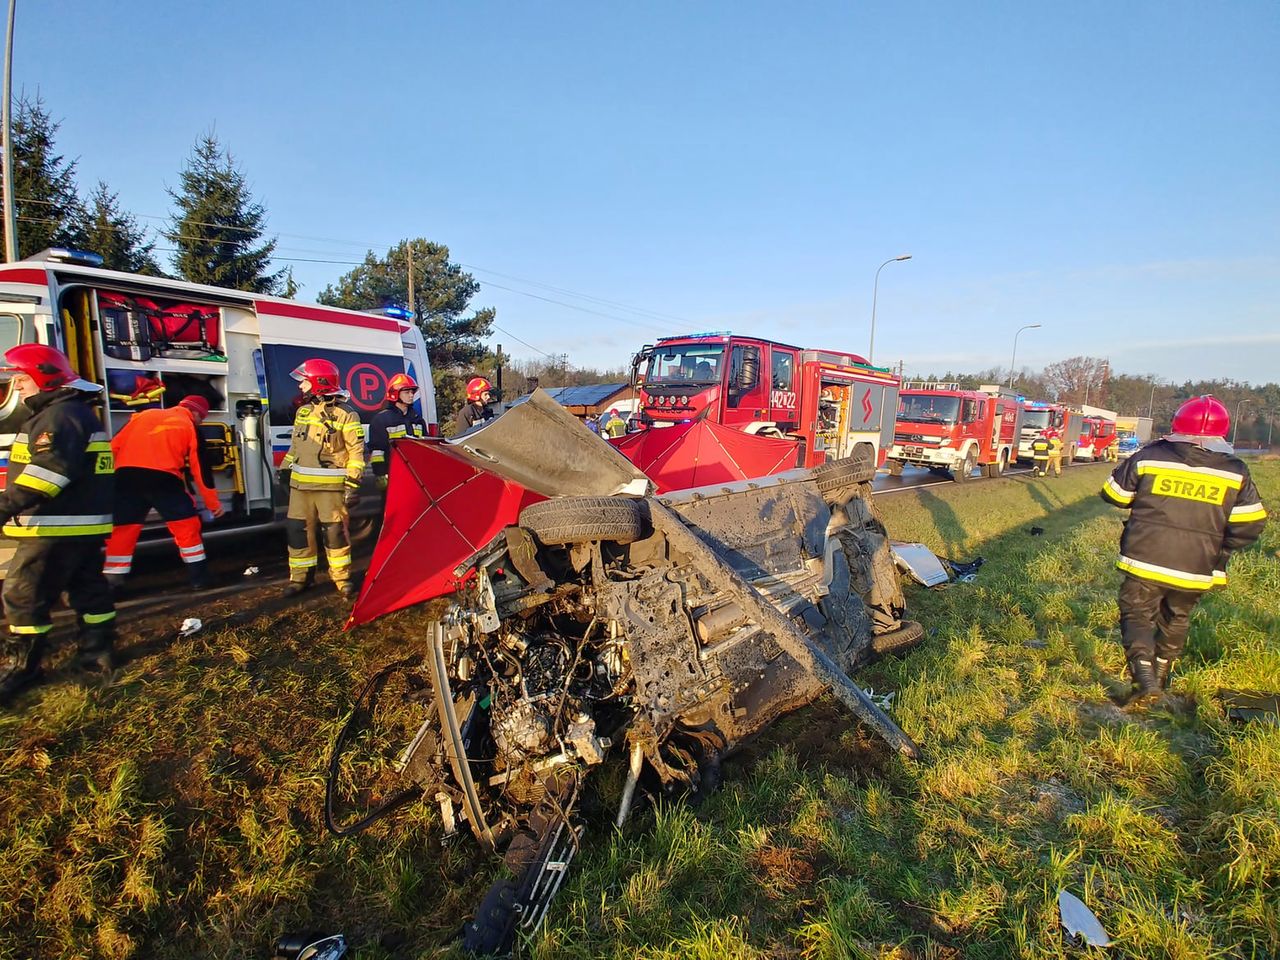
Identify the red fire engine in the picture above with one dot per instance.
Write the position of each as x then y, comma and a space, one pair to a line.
944, 428
1038, 416
828, 402
1098, 440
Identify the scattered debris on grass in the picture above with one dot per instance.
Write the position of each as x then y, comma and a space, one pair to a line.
1079, 921
189, 626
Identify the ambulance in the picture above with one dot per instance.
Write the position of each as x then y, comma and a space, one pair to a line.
150, 341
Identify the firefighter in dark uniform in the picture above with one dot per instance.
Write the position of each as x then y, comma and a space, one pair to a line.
476, 410
396, 420
1040, 455
57, 505
1192, 504
324, 465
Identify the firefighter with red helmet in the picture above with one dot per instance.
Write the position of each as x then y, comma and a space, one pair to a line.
1192, 504
324, 465
154, 451
476, 410
57, 505
396, 420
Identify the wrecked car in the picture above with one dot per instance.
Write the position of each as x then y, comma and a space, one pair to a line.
581, 617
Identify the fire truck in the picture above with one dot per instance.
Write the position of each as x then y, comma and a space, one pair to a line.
150, 341
1038, 416
946, 429
1098, 439
830, 403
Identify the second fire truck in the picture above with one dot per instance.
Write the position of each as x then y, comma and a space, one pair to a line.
946, 429
830, 403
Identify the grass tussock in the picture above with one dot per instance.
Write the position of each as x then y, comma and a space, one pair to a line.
178, 812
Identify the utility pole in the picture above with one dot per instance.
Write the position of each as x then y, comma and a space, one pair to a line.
10, 217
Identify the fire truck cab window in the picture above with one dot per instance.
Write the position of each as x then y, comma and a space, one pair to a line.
10, 335
784, 365
923, 408
969, 411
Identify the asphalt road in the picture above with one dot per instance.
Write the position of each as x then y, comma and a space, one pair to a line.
913, 477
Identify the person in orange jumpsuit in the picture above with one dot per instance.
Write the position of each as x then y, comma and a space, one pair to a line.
153, 452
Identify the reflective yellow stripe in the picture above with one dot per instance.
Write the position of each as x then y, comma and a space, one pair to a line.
1178, 471
340, 560
1174, 578
98, 448
13, 628
303, 480
301, 563
1247, 513
10, 530
396, 431
353, 426
378, 456
19, 453
1113, 491
35, 483
92, 618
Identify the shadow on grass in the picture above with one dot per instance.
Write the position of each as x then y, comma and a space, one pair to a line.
948, 524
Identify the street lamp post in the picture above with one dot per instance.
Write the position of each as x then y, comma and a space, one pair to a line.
1014, 359
1151, 401
875, 291
1235, 423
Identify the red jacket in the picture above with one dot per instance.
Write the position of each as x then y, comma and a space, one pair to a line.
163, 440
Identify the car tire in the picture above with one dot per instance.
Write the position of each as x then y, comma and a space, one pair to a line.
838, 480
566, 520
908, 635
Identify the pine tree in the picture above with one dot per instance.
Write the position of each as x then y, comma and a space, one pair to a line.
116, 235
217, 225
46, 204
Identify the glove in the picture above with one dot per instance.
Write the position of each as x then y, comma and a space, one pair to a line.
351, 493
382, 483
214, 506
283, 476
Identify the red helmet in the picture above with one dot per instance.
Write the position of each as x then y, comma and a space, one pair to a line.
477, 386
323, 375
401, 381
197, 404
1202, 417
47, 366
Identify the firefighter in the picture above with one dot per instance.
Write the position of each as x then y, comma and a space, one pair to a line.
397, 419
476, 410
57, 505
1055, 454
614, 426
153, 452
1192, 504
323, 469
1040, 454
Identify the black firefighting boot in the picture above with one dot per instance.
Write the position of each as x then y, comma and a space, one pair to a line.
20, 659
1164, 670
1146, 686
198, 575
96, 653
295, 587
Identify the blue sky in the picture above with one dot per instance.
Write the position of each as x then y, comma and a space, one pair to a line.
1106, 170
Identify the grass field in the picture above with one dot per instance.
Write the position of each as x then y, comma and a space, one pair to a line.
177, 813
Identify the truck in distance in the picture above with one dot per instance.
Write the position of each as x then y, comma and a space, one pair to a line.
946, 429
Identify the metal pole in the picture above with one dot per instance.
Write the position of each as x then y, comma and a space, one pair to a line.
1152, 400
1271, 416
1014, 359
1235, 425
10, 217
875, 291
412, 311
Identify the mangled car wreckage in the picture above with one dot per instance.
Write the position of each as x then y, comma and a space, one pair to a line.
582, 618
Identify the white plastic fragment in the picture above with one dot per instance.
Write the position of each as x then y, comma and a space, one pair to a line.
920, 562
189, 626
250, 571
1079, 920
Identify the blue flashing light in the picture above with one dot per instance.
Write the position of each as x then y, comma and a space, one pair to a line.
86, 258
400, 313
693, 336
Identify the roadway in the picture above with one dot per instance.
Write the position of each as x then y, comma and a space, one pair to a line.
915, 477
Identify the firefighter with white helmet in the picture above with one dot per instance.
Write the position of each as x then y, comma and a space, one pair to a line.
476, 409
324, 465
1192, 504
57, 505
396, 420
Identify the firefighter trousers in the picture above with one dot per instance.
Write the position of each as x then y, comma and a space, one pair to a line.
1154, 618
325, 508
1055, 464
1040, 466
41, 569
138, 490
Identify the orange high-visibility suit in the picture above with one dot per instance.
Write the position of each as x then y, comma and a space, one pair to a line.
153, 453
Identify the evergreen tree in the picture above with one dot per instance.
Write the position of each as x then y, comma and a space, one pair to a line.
217, 225
442, 295
46, 205
116, 235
